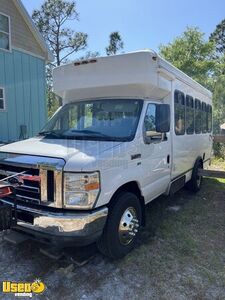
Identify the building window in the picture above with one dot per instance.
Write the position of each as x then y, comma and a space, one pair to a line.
198, 116
209, 118
190, 115
179, 108
2, 99
4, 32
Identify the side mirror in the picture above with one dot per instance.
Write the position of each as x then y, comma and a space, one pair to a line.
163, 118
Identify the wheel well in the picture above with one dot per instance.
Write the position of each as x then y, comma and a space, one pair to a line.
199, 159
134, 188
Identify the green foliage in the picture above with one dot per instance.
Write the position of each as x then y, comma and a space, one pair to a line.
219, 150
193, 55
53, 102
115, 43
219, 103
218, 36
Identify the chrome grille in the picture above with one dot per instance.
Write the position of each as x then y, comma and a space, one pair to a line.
47, 190
29, 189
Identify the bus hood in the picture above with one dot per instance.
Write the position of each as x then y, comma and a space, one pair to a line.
76, 153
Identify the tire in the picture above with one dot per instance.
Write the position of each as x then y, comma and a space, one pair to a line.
125, 213
195, 183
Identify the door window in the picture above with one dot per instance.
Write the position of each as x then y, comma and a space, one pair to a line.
150, 124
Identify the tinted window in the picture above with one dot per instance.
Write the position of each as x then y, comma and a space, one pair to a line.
179, 109
190, 115
198, 116
105, 119
204, 117
209, 118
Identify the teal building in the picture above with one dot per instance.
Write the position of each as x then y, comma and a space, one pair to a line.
23, 56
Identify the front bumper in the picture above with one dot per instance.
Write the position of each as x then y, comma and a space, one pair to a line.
78, 228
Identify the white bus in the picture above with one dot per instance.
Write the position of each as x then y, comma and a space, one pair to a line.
132, 127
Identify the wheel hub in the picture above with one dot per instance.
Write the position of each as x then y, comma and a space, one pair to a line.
128, 226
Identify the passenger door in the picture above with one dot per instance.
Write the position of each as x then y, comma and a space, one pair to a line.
156, 156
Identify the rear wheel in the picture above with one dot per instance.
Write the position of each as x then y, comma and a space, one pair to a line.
196, 181
122, 227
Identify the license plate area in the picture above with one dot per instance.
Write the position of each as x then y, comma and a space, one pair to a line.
6, 219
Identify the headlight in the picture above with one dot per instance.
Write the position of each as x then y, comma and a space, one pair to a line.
81, 190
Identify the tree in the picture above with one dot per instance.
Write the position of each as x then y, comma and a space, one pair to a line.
115, 43
51, 21
192, 54
218, 36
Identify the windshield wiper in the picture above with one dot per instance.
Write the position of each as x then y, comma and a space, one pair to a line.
50, 133
88, 132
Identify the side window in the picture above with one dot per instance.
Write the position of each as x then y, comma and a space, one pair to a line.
179, 109
209, 118
150, 124
204, 117
190, 115
2, 99
4, 32
198, 116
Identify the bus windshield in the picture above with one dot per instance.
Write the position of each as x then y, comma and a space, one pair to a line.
105, 119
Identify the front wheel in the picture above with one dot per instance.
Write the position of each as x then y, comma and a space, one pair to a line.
122, 227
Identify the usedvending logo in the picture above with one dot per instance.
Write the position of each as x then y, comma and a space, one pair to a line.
23, 289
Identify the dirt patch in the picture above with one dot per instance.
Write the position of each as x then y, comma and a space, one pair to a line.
180, 255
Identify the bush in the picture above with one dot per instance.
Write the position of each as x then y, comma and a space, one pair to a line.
219, 150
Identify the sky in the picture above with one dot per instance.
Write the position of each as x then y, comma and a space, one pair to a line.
141, 23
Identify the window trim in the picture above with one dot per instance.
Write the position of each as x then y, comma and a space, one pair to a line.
8, 33
4, 100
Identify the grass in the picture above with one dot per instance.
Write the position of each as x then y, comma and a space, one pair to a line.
185, 249
218, 163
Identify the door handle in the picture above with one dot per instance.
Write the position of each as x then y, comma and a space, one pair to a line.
168, 159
